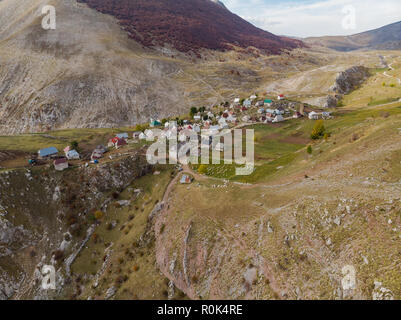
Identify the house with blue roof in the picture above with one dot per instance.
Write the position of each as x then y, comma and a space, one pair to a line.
47, 152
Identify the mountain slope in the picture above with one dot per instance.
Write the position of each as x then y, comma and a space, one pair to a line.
385, 38
189, 25
89, 73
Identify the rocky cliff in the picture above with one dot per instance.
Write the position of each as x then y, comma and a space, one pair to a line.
350, 79
346, 82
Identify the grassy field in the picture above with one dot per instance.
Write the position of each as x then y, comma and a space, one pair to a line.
60, 139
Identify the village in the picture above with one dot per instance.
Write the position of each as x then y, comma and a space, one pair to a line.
204, 122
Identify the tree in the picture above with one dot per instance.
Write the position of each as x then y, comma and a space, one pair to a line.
309, 149
205, 117
193, 111
98, 215
74, 145
202, 169
318, 130
202, 109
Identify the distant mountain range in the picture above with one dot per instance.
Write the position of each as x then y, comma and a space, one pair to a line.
189, 25
385, 38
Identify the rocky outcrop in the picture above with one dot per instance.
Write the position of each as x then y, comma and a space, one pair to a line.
350, 79
332, 101
346, 82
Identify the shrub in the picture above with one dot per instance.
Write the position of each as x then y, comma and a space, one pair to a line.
98, 215
193, 111
318, 130
202, 169
74, 145
309, 149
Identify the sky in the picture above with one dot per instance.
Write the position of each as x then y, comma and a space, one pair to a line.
305, 18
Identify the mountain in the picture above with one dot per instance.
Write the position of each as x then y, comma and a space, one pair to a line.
125, 62
189, 25
219, 3
384, 38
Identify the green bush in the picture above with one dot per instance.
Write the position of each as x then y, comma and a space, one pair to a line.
309, 149
74, 145
202, 169
193, 111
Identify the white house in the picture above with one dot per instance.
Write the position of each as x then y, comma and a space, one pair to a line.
278, 111
72, 155
247, 103
142, 136
252, 97
314, 115
236, 100
278, 118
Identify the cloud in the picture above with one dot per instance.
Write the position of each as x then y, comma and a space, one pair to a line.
305, 18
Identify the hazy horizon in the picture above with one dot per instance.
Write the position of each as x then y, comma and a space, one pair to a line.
310, 18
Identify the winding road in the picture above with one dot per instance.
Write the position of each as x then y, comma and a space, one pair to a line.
390, 76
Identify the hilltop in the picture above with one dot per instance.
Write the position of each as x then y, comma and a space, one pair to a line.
385, 38
190, 25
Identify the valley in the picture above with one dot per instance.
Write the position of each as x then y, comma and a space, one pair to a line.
285, 232
116, 227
